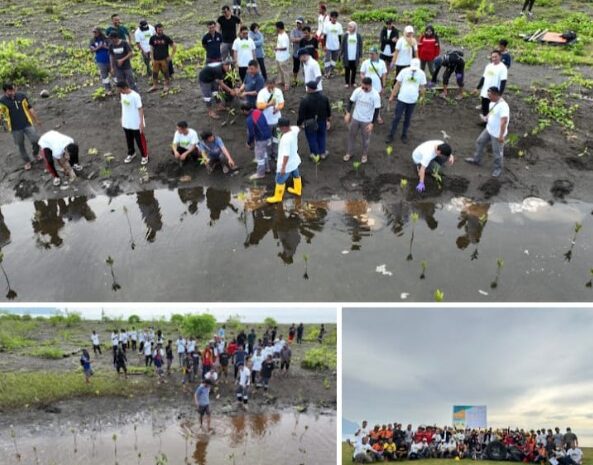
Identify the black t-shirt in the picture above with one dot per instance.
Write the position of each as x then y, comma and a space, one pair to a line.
18, 111
160, 45
228, 28
266, 369
119, 51
209, 74
224, 359
311, 44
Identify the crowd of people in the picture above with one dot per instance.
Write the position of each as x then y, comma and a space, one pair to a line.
236, 73
392, 442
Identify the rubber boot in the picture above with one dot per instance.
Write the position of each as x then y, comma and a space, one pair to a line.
278, 194
297, 187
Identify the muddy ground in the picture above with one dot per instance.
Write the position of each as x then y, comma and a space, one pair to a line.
301, 390
549, 168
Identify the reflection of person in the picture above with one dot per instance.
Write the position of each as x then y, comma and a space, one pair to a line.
217, 200
473, 220
48, 220
4, 232
78, 208
151, 213
287, 230
191, 196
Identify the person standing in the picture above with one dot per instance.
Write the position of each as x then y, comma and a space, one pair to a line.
121, 361
117, 27
497, 125
85, 362
99, 46
252, 4
311, 68
310, 42
300, 332
202, 400
148, 353
96, 343
367, 103
266, 372
406, 48
376, 69
505, 55
180, 349
429, 49
211, 41
169, 354
322, 20
20, 117
259, 137
332, 34
283, 55
251, 337
132, 121
257, 360
410, 85
388, 37
527, 6
321, 334
296, 35
351, 52
61, 148
227, 25
114, 343
120, 54
258, 39
270, 100
429, 156
315, 118
185, 143
285, 357
243, 381
142, 36
243, 51
161, 57
287, 165
134, 338
495, 75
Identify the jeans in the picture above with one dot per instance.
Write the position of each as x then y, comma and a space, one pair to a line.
497, 149
405, 109
355, 127
317, 139
261, 156
104, 69
282, 178
262, 68
19, 139
331, 57
225, 50
146, 60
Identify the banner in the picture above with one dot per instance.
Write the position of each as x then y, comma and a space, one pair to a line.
469, 416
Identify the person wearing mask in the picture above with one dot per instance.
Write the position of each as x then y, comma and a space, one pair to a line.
453, 63
410, 86
296, 35
431, 155
20, 117
388, 37
258, 39
227, 26
142, 37
406, 48
495, 75
185, 143
361, 115
315, 118
161, 57
351, 52
212, 41
283, 55
332, 36
99, 46
429, 49
59, 147
243, 51
287, 165
259, 137
497, 125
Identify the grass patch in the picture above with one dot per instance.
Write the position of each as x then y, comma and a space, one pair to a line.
48, 352
41, 388
17, 64
14, 333
323, 357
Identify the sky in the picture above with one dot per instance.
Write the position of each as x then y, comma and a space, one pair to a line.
248, 313
532, 368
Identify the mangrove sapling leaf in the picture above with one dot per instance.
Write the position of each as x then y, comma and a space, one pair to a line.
389, 150
414, 217
114, 437
423, 266
499, 267
439, 295
568, 254
316, 160
436, 174
11, 294
356, 165
114, 285
93, 151
73, 431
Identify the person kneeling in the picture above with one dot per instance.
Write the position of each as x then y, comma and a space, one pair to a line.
54, 145
215, 153
185, 143
431, 155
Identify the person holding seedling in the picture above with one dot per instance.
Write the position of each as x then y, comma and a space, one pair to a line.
430, 156
58, 147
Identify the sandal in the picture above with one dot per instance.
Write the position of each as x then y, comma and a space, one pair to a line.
27, 166
347, 157
364, 159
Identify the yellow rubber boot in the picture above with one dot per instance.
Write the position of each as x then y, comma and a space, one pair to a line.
278, 194
297, 187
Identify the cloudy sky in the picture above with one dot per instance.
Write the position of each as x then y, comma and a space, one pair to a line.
531, 368
248, 313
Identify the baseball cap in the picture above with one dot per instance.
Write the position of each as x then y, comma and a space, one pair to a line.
408, 29
373, 50
300, 19
415, 63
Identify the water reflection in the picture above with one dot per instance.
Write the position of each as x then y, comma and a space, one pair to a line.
192, 197
4, 232
151, 213
217, 200
472, 219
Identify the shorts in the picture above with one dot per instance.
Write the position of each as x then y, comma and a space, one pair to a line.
204, 410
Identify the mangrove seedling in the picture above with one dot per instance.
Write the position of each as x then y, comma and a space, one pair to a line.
135, 434
356, 165
316, 160
114, 285
439, 295
16, 447
161, 459
93, 151
132, 243
589, 283
73, 431
414, 217
114, 437
11, 294
36, 455
306, 260
389, 150
499, 267
423, 265
139, 457
568, 254
436, 174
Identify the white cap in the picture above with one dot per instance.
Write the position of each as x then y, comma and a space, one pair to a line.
415, 63
408, 29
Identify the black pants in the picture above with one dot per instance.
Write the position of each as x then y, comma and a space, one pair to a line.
350, 72
242, 72
147, 360
296, 65
96, 349
528, 4
133, 345
387, 59
398, 68
50, 163
134, 135
114, 353
485, 106
262, 68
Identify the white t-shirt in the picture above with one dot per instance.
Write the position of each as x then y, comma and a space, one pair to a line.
181, 346
124, 337
114, 339
426, 152
143, 37
365, 104
212, 376
95, 339
289, 146
410, 81
283, 41
191, 345
405, 55
375, 70
352, 45
312, 71
263, 96
186, 140
244, 377
134, 336
244, 49
498, 111
575, 454
141, 336
257, 361
267, 351
332, 35
130, 106
362, 448
493, 75
278, 346
322, 20
147, 349
56, 142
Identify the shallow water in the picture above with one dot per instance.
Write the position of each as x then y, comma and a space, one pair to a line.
263, 439
205, 244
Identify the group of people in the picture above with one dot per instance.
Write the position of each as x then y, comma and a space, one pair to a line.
392, 442
232, 46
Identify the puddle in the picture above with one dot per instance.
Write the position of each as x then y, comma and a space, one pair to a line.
269, 439
207, 244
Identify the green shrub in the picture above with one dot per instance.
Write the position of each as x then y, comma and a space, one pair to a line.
270, 322
134, 319
199, 326
15, 333
233, 322
18, 66
323, 357
375, 16
464, 4
177, 319
47, 352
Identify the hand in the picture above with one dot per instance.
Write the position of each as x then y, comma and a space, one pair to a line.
501, 139
391, 99
347, 118
176, 154
329, 125
169, 59
231, 163
369, 128
282, 171
250, 147
420, 187
141, 127
475, 92
120, 62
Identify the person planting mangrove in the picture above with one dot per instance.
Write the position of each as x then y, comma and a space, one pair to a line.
287, 165
185, 143
212, 84
452, 63
215, 152
58, 147
315, 118
431, 155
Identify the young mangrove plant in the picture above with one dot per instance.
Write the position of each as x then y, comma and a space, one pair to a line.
423, 266
414, 217
499, 267
577, 228
114, 285
114, 437
316, 160
75, 448
16, 446
439, 295
11, 294
356, 165
161, 459
306, 260
589, 283
132, 243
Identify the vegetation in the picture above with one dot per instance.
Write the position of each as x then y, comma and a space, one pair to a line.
233, 322
270, 322
15, 332
68, 319
323, 357
47, 352
134, 319
198, 326
17, 64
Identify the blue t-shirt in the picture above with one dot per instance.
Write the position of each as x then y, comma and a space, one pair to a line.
203, 393
86, 363
214, 149
101, 55
240, 357
253, 83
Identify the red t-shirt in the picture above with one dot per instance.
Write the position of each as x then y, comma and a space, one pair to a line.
428, 48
